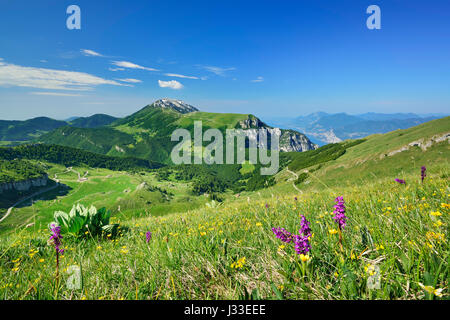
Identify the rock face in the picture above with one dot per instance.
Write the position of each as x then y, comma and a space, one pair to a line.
290, 140
252, 123
421, 143
24, 185
176, 105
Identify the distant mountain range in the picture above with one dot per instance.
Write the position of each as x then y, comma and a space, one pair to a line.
27, 130
95, 121
323, 128
144, 134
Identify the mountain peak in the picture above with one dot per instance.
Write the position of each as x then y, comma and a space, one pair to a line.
174, 104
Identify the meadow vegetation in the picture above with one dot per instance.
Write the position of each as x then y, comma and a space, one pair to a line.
174, 244
19, 170
230, 252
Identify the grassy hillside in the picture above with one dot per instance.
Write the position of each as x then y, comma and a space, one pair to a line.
208, 250
14, 132
32, 161
230, 252
69, 156
28, 129
144, 134
380, 156
125, 194
19, 170
220, 121
94, 121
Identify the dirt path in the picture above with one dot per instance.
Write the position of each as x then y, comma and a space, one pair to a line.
27, 198
296, 177
80, 178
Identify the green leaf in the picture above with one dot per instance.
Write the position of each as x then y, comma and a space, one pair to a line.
110, 228
277, 292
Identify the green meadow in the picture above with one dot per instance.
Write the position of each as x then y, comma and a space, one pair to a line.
395, 244
230, 252
124, 194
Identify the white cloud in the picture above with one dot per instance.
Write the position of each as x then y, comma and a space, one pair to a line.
43, 61
19, 76
173, 84
130, 65
179, 76
87, 52
259, 79
59, 94
217, 70
116, 69
130, 80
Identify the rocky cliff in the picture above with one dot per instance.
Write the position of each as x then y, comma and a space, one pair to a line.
24, 185
290, 140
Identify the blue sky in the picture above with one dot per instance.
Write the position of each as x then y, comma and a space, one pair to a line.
269, 58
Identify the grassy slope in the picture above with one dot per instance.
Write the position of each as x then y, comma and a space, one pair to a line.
28, 129
191, 253
13, 132
367, 160
104, 188
94, 121
383, 143
212, 120
19, 170
145, 134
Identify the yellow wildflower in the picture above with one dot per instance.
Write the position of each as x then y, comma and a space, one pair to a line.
438, 223
439, 237
238, 264
304, 257
370, 269
431, 290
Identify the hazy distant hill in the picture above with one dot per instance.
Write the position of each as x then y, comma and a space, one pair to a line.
28, 130
95, 121
14, 130
325, 128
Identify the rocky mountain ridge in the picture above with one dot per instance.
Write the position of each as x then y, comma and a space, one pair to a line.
174, 104
290, 140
